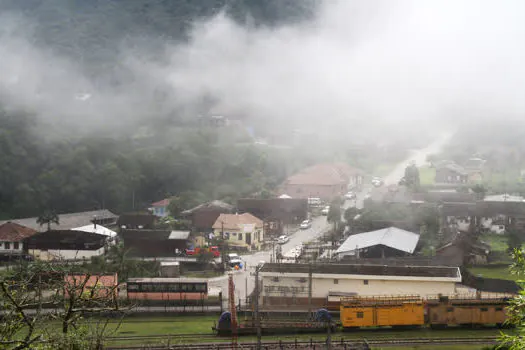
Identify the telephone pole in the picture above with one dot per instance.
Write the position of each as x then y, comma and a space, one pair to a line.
310, 289
257, 316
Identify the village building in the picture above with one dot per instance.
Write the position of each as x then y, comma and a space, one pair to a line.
387, 242
74, 244
288, 284
204, 215
160, 208
137, 221
71, 220
451, 173
92, 286
241, 231
154, 243
12, 236
275, 212
325, 181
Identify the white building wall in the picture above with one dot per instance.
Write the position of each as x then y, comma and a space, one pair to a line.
11, 248
65, 254
322, 286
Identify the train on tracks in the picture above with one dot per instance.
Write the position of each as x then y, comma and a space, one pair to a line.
167, 289
361, 312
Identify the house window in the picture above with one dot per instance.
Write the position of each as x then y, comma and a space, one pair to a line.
484, 309
365, 282
336, 281
7, 245
360, 314
240, 236
15, 245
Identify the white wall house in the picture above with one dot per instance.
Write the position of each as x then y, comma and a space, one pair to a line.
12, 237
240, 230
288, 282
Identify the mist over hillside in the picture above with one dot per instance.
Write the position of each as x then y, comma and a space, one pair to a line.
367, 69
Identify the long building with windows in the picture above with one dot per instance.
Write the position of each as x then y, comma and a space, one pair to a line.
289, 284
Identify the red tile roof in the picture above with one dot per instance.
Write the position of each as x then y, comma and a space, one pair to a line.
163, 203
235, 221
12, 232
324, 174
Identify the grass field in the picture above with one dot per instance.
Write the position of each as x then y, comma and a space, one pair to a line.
427, 175
501, 272
434, 347
498, 243
161, 328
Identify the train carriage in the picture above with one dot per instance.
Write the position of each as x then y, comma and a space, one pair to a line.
167, 289
450, 312
382, 311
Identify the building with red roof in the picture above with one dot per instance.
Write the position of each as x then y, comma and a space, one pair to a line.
12, 236
325, 181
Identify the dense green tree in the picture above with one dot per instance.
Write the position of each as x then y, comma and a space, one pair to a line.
514, 241
411, 178
516, 309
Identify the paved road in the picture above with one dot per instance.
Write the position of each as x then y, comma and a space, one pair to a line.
244, 282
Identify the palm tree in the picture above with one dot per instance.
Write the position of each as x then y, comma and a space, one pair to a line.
48, 218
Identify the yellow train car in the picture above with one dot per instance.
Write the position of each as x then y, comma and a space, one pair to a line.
466, 312
382, 311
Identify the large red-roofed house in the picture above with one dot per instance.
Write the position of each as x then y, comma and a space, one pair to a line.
12, 236
325, 181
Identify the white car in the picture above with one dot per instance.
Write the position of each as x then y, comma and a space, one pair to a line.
350, 195
306, 224
325, 210
283, 239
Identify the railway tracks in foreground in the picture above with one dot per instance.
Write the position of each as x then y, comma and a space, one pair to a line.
346, 344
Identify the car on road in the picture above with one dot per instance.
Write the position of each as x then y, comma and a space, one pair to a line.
325, 210
377, 181
306, 224
350, 195
283, 239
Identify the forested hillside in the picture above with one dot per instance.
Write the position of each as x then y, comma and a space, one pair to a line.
93, 30
102, 172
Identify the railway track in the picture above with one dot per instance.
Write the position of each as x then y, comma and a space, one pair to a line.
318, 344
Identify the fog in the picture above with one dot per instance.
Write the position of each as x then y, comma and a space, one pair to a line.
389, 65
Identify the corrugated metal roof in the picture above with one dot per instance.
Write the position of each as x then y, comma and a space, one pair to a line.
392, 237
67, 221
101, 230
179, 235
369, 270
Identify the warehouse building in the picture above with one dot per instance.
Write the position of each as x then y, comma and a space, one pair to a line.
387, 242
289, 284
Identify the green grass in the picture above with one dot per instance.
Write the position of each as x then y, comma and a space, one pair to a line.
162, 327
498, 243
427, 175
431, 347
501, 272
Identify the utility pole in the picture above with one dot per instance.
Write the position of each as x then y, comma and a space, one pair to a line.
257, 317
310, 289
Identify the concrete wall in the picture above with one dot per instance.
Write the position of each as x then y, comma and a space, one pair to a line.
322, 286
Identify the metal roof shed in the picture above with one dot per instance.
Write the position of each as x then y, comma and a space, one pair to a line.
392, 237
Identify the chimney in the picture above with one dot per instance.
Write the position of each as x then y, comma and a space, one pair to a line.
95, 221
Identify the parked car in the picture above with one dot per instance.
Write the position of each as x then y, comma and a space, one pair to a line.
314, 202
350, 195
283, 239
306, 224
325, 210
377, 181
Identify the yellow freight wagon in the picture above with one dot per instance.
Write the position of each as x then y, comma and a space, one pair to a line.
382, 311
